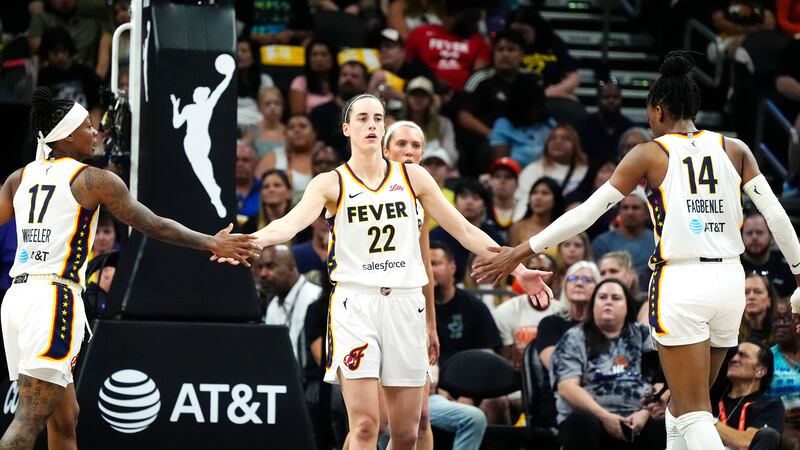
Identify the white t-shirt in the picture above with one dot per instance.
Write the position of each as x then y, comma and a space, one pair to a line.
518, 323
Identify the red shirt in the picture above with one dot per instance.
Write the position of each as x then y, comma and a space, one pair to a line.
451, 58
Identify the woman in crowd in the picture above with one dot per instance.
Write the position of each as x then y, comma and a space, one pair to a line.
576, 291
420, 107
619, 265
563, 160
269, 133
276, 200
295, 157
318, 84
597, 369
545, 204
759, 298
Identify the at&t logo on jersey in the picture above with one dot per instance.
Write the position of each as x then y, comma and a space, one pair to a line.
23, 256
696, 226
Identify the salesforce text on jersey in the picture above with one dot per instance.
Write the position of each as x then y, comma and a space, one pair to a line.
383, 266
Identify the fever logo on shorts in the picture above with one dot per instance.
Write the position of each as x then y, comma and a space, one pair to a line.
129, 401
353, 359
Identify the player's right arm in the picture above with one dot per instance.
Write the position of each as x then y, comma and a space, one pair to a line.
321, 192
759, 191
7, 196
95, 187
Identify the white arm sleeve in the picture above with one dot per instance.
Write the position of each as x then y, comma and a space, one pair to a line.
778, 222
577, 220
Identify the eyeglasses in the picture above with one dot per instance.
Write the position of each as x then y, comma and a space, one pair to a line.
580, 279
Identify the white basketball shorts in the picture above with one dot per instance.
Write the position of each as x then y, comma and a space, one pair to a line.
690, 302
43, 325
377, 333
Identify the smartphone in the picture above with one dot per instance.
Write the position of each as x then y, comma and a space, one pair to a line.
627, 431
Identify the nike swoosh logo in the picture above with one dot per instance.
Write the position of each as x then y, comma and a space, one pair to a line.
755, 189
609, 205
355, 195
344, 303
421, 309
795, 265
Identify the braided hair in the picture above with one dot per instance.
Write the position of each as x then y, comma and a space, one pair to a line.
46, 112
675, 90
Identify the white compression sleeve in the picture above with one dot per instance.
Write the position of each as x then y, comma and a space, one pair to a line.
778, 222
576, 220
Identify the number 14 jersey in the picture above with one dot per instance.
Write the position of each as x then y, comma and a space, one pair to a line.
374, 237
54, 232
697, 210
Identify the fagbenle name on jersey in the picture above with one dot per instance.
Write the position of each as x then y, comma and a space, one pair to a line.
705, 206
37, 235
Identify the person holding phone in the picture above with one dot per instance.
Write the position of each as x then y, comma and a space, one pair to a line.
597, 370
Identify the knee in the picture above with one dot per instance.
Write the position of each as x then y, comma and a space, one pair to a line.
767, 438
365, 428
475, 418
404, 438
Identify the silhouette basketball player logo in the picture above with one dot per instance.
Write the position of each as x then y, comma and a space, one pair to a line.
197, 143
353, 359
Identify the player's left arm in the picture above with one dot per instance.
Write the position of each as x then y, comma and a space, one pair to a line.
758, 189
7, 196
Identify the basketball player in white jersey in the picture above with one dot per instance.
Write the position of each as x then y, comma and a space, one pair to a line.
55, 201
696, 293
377, 327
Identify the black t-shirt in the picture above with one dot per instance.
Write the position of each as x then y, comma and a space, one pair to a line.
326, 120
314, 328
552, 61
460, 253
78, 84
597, 143
551, 328
762, 411
465, 323
743, 12
776, 270
487, 93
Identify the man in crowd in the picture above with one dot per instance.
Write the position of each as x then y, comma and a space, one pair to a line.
248, 187
758, 257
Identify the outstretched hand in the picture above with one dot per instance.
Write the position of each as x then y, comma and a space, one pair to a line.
233, 248
533, 285
496, 269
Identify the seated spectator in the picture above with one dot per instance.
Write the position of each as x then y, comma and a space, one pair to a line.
786, 378
405, 15
619, 265
325, 117
503, 175
787, 14
67, 79
248, 187
545, 204
310, 256
462, 321
420, 107
454, 49
269, 133
734, 20
486, 97
388, 82
276, 200
466, 422
577, 248
576, 292
759, 297
760, 258
597, 369
295, 157
563, 160
523, 131
288, 295
495, 295
249, 81
91, 37
747, 417
631, 235
545, 52
275, 23
596, 176
631, 138
600, 132
471, 198
323, 159
105, 237
438, 163
318, 83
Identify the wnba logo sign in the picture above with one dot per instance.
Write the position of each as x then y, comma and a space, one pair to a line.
129, 401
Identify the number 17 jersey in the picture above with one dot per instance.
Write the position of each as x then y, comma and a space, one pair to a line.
374, 237
697, 210
54, 232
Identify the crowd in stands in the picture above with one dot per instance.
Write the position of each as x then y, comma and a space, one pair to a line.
477, 81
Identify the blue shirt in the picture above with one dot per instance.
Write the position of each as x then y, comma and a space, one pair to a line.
306, 258
785, 382
526, 145
248, 205
640, 248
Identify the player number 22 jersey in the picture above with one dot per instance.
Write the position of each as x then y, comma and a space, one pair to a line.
375, 234
54, 232
697, 210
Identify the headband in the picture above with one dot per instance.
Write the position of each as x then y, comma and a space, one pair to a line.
396, 126
353, 100
74, 118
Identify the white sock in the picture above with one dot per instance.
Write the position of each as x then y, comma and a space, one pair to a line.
674, 439
697, 429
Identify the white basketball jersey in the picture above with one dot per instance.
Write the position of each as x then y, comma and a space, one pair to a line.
374, 238
697, 210
54, 232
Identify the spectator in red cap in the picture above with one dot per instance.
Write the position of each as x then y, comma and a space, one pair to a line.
503, 182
